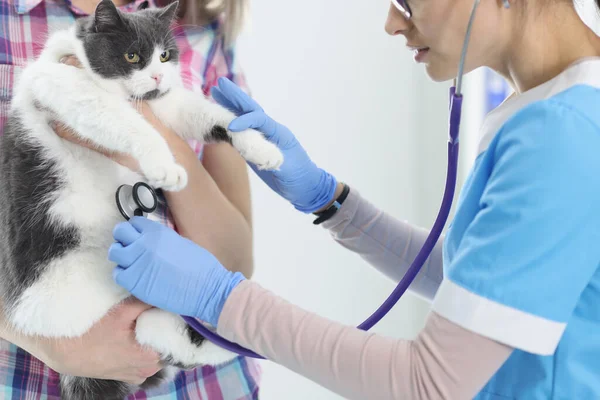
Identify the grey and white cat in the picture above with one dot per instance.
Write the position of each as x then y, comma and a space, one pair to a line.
57, 199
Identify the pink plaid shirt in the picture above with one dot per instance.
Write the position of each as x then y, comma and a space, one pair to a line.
24, 27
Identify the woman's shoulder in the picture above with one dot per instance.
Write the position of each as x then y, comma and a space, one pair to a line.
556, 129
567, 113
580, 101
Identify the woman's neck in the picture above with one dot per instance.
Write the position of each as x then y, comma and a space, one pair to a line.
546, 47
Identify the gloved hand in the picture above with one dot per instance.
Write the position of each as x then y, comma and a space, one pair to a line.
299, 180
169, 271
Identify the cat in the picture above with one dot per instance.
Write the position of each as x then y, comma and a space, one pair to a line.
57, 199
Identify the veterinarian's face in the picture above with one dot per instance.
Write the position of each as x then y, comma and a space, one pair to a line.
438, 28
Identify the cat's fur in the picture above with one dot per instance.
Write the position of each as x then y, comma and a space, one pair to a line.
57, 199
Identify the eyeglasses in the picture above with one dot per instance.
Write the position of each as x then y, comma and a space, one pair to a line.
403, 7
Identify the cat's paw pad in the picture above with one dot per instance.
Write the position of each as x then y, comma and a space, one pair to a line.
254, 148
171, 176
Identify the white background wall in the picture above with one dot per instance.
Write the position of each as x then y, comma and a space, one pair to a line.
354, 98
367, 113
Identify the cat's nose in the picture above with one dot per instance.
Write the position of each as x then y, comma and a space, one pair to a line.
157, 78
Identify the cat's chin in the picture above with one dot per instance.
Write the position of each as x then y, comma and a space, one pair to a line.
151, 95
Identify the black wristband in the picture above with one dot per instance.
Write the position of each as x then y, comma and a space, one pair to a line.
330, 212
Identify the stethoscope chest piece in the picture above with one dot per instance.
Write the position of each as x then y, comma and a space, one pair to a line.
137, 200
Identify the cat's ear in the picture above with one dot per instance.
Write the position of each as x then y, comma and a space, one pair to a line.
169, 12
143, 5
107, 17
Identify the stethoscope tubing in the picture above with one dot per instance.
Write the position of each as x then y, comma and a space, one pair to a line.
455, 107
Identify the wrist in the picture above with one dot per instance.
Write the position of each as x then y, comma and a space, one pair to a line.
321, 194
227, 285
338, 191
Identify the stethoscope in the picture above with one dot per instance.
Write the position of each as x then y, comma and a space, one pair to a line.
141, 199
138, 200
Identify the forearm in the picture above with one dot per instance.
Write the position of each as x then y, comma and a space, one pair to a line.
445, 361
206, 216
390, 245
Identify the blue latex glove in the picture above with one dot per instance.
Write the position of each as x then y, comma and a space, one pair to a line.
299, 180
168, 271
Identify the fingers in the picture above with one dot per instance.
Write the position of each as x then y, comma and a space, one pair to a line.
253, 120
122, 279
236, 96
125, 233
143, 224
62, 130
144, 108
123, 256
71, 60
69, 134
260, 121
220, 98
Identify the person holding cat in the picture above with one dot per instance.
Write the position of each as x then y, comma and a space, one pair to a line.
218, 191
516, 288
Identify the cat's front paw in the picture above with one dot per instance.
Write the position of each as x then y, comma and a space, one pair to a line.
167, 176
254, 148
169, 335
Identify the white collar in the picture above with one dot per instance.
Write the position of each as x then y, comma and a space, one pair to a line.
585, 71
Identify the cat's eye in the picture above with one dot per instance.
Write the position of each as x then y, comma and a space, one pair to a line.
132, 58
165, 56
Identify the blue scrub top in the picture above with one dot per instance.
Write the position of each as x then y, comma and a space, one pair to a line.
522, 255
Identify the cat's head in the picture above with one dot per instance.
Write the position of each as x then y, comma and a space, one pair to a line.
136, 49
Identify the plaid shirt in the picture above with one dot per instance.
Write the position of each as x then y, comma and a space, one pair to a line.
24, 26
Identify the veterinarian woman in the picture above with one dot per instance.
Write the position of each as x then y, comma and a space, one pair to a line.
517, 313
219, 192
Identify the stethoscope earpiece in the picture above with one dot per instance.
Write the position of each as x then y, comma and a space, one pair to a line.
137, 200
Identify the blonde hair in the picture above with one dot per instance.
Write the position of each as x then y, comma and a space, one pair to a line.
203, 12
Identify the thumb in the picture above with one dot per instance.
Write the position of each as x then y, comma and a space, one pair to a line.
253, 120
131, 308
220, 98
236, 96
143, 224
120, 277
260, 121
